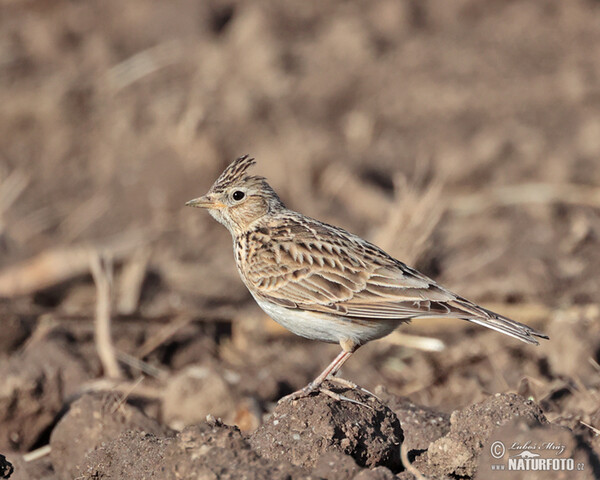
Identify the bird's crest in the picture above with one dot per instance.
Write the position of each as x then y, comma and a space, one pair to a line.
233, 173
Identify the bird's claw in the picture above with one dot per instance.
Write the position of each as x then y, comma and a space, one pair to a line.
352, 386
311, 387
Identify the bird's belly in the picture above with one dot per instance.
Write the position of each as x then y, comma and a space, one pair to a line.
327, 328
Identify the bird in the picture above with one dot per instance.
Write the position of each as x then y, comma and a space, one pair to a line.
324, 283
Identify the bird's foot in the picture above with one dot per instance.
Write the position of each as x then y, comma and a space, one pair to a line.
311, 387
303, 392
352, 386
343, 398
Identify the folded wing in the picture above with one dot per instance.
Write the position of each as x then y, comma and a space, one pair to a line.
323, 269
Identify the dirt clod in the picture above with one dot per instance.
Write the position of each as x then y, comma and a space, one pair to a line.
305, 429
209, 450
215, 450
457, 452
421, 425
113, 459
335, 466
194, 393
377, 473
92, 420
35, 384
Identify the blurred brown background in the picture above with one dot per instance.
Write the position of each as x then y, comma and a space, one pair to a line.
463, 137
113, 115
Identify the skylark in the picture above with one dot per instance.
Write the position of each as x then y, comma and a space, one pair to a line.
322, 282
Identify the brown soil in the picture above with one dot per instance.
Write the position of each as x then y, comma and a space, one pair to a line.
6, 468
302, 431
463, 137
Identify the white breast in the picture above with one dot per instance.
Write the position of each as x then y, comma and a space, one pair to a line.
327, 328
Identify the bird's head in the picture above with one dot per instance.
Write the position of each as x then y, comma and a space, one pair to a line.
237, 200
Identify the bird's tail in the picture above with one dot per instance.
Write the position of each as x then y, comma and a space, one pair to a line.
486, 318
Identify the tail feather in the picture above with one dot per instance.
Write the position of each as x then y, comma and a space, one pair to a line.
486, 318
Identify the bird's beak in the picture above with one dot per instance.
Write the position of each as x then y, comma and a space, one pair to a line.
204, 202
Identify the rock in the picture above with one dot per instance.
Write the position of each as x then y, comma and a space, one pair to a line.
377, 473
303, 430
335, 466
92, 420
35, 384
194, 393
470, 428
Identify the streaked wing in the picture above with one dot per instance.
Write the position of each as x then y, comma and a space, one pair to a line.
304, 264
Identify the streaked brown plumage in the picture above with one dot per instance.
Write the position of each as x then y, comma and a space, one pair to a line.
322, 282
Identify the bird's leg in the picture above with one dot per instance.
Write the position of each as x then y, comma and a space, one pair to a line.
331, 369
348, 345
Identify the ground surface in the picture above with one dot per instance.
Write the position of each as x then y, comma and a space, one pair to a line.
463, 137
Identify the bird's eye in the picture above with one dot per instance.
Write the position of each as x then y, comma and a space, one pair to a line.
238, 195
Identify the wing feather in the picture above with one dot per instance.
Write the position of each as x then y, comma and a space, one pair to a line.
317, 267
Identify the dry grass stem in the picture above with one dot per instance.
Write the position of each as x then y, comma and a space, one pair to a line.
128, 392
411, 220
594, 364
37, 454
143, 64
166, 332
591, 427
11, 189
354, 193
131, 281
102, 272
532, 193
55, 266
408, 220
44, 270
427, 344
124, 387
142, 366
83, 216
45, 324
406, 462
32, 224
